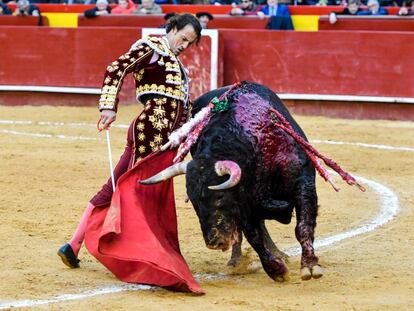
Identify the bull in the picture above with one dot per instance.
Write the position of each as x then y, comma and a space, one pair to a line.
244, 170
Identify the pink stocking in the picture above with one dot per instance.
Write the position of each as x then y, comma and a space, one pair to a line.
77, 238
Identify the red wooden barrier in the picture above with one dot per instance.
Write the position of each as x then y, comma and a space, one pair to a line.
378, 23
242, 22
22, 20
153, 21
323, 62
65, 57
245, 22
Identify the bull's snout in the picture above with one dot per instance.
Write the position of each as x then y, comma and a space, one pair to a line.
215, 240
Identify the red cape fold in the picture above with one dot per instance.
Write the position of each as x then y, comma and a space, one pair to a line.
136, 236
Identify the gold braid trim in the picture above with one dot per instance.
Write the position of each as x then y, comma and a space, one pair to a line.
109, 93
157, 44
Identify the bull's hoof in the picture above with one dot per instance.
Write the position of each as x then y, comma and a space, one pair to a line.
233, 262
307, 273
277, 270
317, 272
283, 278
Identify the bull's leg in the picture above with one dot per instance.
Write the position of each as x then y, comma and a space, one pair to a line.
236, 251
274, 266
306, 212
271, 245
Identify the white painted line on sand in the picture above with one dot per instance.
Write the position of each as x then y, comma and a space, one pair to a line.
375, 146
39, 135
50, 123
389, 207
68, 297
313, 141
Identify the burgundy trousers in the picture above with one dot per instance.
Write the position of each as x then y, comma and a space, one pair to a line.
103, 197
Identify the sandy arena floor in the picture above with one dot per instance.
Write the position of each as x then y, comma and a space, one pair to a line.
50, 170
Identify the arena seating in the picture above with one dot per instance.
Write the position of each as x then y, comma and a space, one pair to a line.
8, 20
377, 23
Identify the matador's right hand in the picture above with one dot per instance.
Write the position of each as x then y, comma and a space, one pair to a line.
107, 117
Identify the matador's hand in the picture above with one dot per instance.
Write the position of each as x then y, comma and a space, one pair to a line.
107, 117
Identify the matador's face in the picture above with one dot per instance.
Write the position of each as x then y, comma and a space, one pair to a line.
179, 40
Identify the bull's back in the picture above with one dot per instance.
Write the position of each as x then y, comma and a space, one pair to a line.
259, 89
205, 99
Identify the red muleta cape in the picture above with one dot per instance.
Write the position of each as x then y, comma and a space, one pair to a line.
136, 236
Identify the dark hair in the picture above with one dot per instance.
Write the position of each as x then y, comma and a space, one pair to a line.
209, 16
169, 15
179, 21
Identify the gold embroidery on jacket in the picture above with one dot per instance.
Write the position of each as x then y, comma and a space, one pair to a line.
140, 126
158, 119
141, 136
109, 93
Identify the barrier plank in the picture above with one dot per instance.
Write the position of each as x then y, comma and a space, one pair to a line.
11, 20
377, 23
220, 21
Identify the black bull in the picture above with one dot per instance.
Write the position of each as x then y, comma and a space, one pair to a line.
270, 175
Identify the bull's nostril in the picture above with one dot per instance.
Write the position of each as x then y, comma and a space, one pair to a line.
213, 235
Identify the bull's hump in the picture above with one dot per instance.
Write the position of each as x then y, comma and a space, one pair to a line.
275, 147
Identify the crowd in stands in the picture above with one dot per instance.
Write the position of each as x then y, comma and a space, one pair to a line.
235, 3
275, 10
353, 7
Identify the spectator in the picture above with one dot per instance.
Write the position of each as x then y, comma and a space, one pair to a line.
407, 9
247, 7
374, 8
224, 2
124, 7
352, 8
148, 7
204, 18
167, 18
273, 8
24, 7
4, 9
320, 2
204, 2
102, 8
279, 16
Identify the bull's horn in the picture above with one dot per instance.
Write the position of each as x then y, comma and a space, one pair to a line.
171, 171
227, 168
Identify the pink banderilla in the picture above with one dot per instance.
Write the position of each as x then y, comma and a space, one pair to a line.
313, 154
192, 129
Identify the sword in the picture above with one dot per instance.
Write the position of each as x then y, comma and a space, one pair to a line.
108, 143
